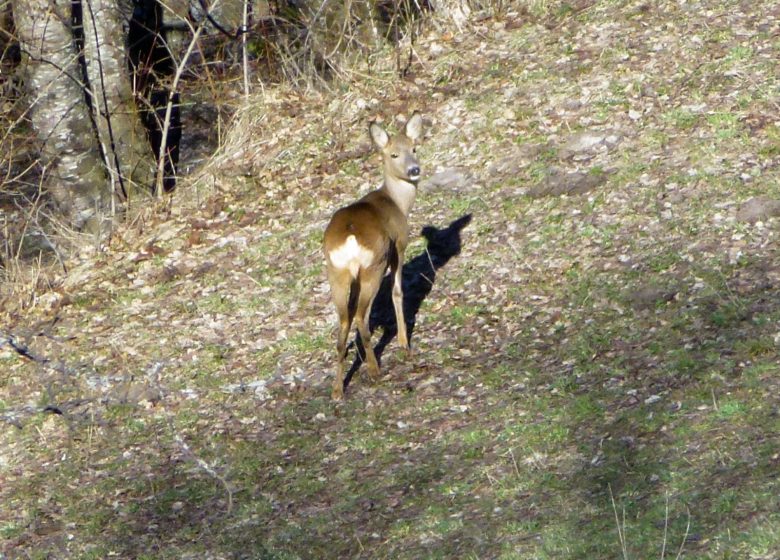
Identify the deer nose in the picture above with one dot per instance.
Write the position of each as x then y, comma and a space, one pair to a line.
414, 171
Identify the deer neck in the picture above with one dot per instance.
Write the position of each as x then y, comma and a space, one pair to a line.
402, 192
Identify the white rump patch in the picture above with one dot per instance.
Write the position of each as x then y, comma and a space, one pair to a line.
351, 255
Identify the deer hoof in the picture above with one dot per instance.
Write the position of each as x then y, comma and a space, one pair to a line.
337, 394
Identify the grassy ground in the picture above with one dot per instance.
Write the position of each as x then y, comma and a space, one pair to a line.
594, 373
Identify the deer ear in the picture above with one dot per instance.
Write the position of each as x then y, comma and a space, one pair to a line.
378, 135
413, 128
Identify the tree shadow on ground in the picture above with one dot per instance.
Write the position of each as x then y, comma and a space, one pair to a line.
419, 274
684, 418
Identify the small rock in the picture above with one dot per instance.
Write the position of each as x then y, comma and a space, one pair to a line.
135, 393
35, 244
511, 164
50, 301
652, 399
758, 209
584, 141
449, 179
559, 182
648, 91
436, 49
649, 296
589, 141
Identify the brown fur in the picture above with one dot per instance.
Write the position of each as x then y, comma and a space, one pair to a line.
379, 223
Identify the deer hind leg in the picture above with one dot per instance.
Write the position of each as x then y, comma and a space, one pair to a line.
398, 299
340, 290
370, 281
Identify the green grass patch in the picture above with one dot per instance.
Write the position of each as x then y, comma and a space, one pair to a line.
725, 125
681, 119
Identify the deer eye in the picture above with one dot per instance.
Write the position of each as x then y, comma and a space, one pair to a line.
414, 150
394, 156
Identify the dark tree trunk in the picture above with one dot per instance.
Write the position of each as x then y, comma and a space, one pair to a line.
152, 67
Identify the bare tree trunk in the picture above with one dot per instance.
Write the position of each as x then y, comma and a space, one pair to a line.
129, 156
76, 175
95, 148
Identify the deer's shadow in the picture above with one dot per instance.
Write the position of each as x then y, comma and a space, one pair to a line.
417, 280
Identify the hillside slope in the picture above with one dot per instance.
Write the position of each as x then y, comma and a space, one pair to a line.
595, 305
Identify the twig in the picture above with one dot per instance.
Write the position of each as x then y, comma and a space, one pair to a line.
153, 373
24, 351
430, 261
666, 526
514, 463
685, 536
206, 467
169, 106
621, 531
245, 54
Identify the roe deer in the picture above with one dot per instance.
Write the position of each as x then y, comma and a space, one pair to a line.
365, 238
